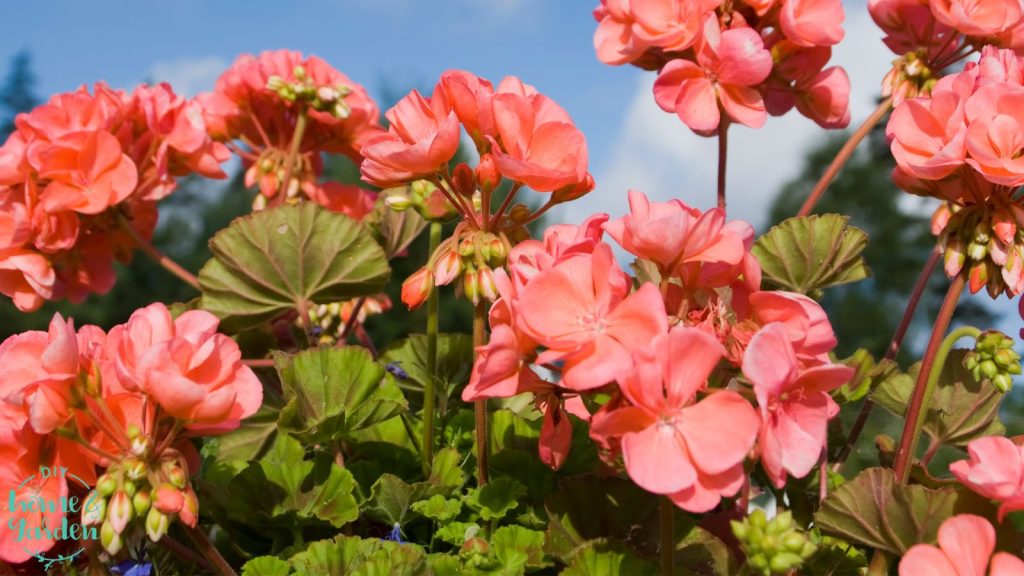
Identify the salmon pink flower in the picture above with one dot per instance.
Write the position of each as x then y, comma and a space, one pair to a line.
28, 278
193, 373
614, 39
672, 25
536, 142
422, 139
966, 543
672, 443
995, 470
470, 98
729, 64
812, 22
977, 18
88, 172
671, 233
994, 134
352, 201
795, 405
582, 311
928, 135
22, 484
805, 322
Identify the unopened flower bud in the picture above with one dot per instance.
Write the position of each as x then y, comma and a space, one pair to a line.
447, 268
464, 180
954, 257
519, 212
168, 499
134, 468
573, 191
485, 282
189, 513
141, 502
94, 509
157, 524
110, 538
1002, 382
976, 251
416, 288
398, 202
119, 511
487, 175
471, 287
106, 484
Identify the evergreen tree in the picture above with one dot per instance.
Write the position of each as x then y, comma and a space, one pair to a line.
18, 92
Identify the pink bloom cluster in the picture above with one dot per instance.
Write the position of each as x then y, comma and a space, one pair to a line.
744, 59
520, 134
109, 406
930, 36
962, 144
994, 470
966, 543
665, 349
258, 101
79, 168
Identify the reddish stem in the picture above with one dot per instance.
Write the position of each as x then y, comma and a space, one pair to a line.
890, 354
480, 406
723, 151
158, 256
259, 363
903, 456
844, 155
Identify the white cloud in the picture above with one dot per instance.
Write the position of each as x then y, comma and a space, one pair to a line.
189, 76
656, 153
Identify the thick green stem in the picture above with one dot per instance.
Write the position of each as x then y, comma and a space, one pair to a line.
480, 406
915, 408
429, 392
668, 541
879, 564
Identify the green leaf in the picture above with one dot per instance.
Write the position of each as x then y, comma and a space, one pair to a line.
517, 549
266, 566
284, 489
394, 230
280, 259
700, 552
496, 498
456, 533
438, 508
600, 558
809, 253
873, 510
332, 392
354, 556
589, 507
391, 498
961, 408
454, 361
445, 473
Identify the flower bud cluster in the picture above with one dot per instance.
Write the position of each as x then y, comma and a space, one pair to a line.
425, 198
989, 243
139, 496
774, 546
468, 255
329, 99
909, 77
994, 359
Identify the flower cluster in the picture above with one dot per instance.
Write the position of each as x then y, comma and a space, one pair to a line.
966, 543
666, 351
747, 59
521, 136
962, 144
278, 111
931, 35
80, 177
115, 410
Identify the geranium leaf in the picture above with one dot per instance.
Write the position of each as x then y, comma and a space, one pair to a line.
496, 498
961, 408
284, 489
438, 508
266, 566
454, 361
600, 558
806, 254
873, 510
280, 259
332, 392
517, 548
360, 556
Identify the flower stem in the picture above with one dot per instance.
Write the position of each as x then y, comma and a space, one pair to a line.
904, 454
293, 151
480, 406
844, 156
890, 354
723, 151
668, 547
206, 547
429, 393
159, 257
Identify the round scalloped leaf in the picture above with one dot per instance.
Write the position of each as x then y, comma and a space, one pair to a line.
809, 253
277, 260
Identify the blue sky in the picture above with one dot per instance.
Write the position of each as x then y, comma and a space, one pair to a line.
399, 44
